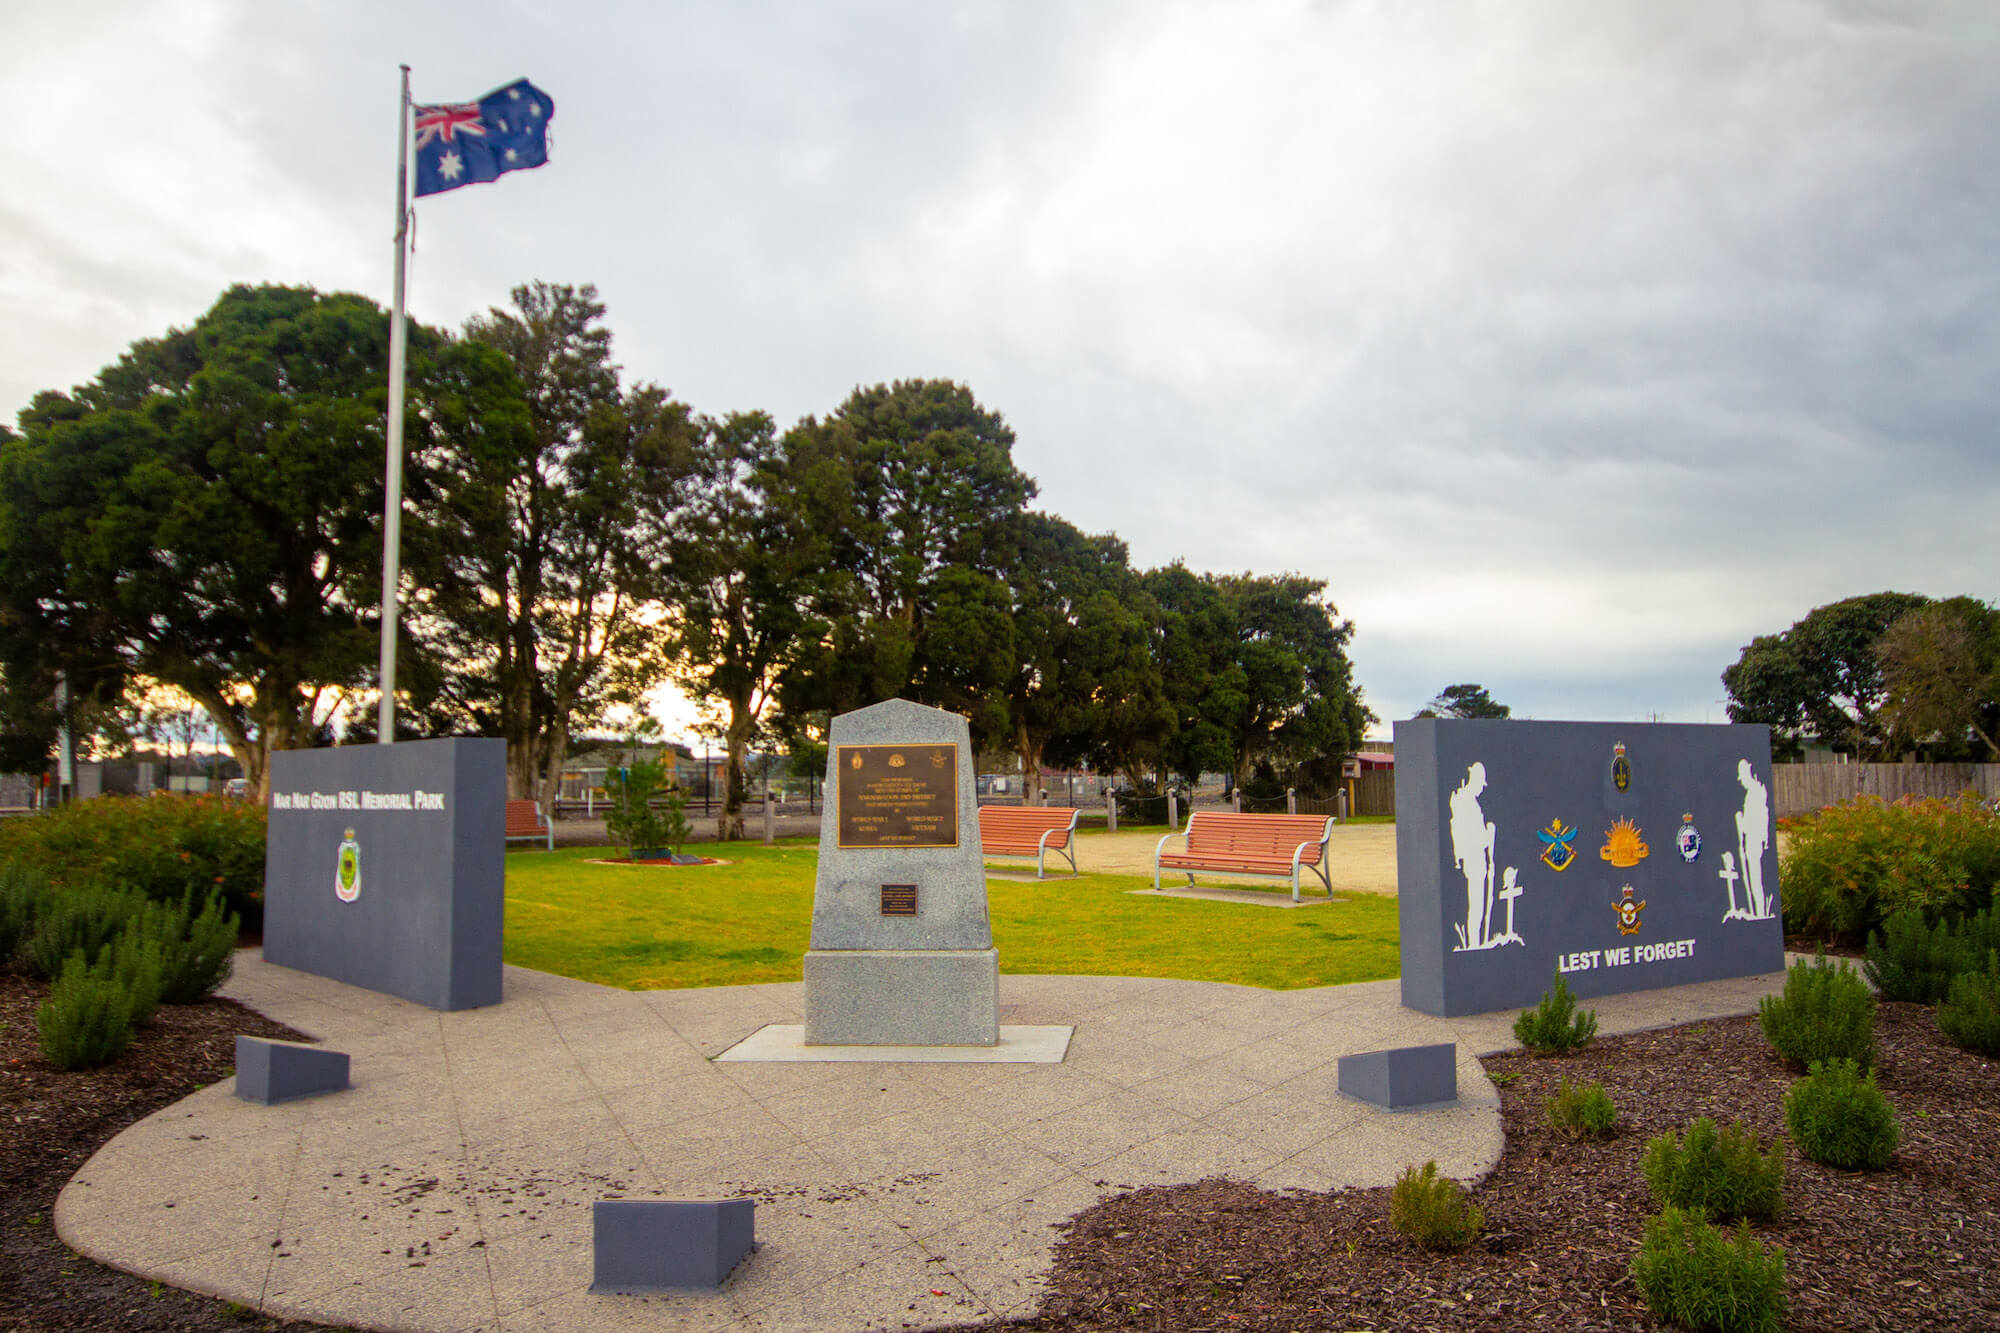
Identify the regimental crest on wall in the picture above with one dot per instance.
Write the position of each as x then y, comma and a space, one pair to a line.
1628, 912
1556, 850
347, 870
1621, 767
1688, 840
1623, 846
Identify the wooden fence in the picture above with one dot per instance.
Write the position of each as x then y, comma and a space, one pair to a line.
1801, 788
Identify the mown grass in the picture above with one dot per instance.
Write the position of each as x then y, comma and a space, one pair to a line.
749, 921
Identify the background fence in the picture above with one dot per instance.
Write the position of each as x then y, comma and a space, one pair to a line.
1801, 788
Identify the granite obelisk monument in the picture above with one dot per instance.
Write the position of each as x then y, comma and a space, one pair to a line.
902, 949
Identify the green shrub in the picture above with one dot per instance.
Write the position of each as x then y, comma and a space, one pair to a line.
136, 966
645, 814
1839, 1117
84, 918
1851, 866
87, 1019
166, 847
1915, 961
1825, 1013
195, 949
1583, 1109
1726, 1175
1432, 1211
1970, 1014
23, 891
1555, 1024
1691, 1275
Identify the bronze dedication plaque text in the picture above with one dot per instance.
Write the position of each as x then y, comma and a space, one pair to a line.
899, 900
897, 796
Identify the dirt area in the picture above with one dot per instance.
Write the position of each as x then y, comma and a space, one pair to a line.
1361, 857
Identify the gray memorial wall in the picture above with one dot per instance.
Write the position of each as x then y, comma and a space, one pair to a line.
385, 868
1622, 857
902, 949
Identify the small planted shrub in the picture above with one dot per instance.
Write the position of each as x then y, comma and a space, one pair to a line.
1692, 1275
195, 950
1582, 1109
23, 891
1555, 1024
87, 1019
1432, 1212
1726, 1174
1970, 1014
1840, 1118
1825, 1013
1911, 959
86, 918
135, 966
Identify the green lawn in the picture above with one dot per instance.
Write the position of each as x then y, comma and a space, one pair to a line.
647, 927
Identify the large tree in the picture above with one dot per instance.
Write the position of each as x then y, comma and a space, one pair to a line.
1941, 676
734, 571
912, 486
1464, 701
1083, 686
544, 539
207, 512
1256, 669
1823, 676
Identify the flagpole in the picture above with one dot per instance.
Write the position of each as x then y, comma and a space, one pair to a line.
392, 484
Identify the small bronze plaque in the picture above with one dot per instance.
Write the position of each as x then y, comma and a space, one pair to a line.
899, 900
896, 795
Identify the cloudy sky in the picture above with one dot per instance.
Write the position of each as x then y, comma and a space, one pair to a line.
1571, 344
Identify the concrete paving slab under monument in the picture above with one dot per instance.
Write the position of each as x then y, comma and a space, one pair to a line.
451, 1186
1018, 1045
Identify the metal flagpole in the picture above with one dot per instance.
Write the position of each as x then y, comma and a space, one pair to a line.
392, 485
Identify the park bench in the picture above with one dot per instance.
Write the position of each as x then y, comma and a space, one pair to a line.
1022, 830
527, 823
1239, 844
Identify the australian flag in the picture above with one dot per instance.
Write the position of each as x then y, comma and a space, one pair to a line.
467, 142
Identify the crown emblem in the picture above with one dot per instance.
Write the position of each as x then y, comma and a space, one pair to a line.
1623, 846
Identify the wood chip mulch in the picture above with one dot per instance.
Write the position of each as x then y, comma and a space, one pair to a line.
1916, 1246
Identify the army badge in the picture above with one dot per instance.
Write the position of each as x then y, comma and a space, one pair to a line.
347, 871
1621, 767
1688, 840
1556, 850
1623, 846
1628, 913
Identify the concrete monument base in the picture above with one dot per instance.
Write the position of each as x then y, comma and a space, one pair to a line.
902, 997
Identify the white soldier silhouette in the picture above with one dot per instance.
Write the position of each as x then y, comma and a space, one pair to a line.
1753, 839
1472, 850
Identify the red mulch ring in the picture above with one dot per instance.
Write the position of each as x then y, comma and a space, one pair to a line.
656, 862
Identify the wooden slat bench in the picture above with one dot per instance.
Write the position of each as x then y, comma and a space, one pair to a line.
1026, 830
527, 823
1239, 844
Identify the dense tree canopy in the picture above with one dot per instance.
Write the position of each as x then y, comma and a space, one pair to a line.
1464, 701
1941, 678
1822, 678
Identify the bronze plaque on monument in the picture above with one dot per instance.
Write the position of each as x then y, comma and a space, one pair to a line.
897, 796
899, 900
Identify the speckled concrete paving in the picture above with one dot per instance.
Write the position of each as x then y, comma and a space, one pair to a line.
450, 1188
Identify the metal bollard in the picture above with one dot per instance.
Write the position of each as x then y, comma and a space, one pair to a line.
1291, 800
1110, 811
1173, 810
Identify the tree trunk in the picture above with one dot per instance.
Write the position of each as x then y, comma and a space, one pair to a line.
557, 757
736, 741
1029, 748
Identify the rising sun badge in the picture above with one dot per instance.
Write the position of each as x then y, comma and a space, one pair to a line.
1556, 850
347, 870
1623, 846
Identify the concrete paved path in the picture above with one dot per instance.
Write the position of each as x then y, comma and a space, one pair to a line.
450, 1188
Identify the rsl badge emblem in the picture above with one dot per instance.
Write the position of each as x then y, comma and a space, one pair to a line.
1688, 840
347, 870
1621, 767
1556, 850
1628, 912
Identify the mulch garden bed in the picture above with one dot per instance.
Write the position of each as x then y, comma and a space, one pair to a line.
1916, 1246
